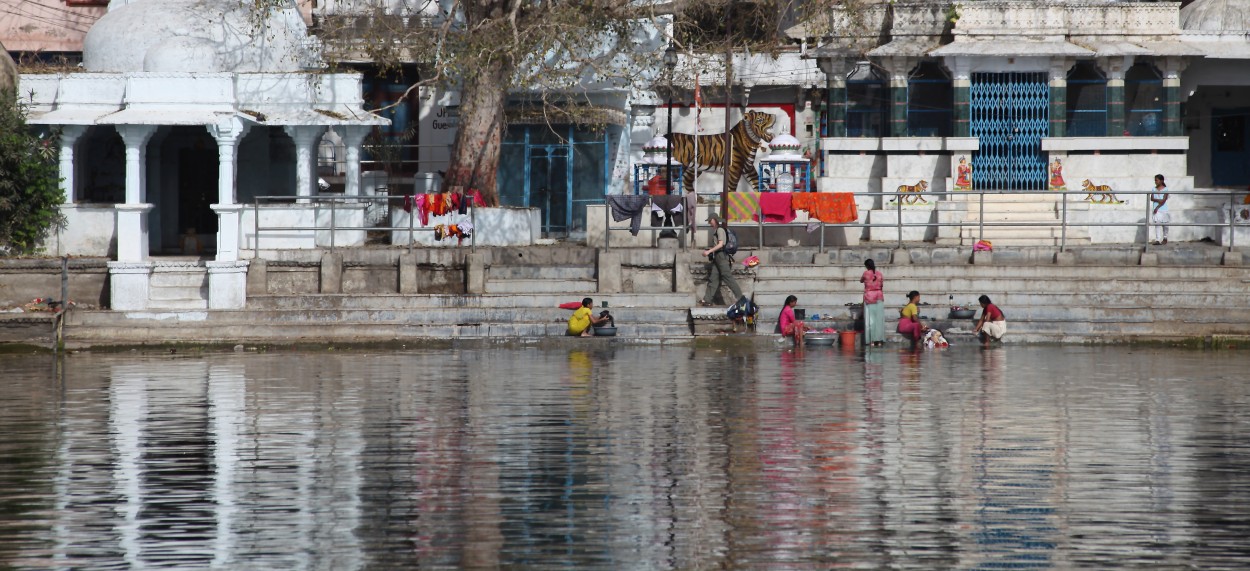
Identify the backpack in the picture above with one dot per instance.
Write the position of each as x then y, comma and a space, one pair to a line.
743, 308
731, 242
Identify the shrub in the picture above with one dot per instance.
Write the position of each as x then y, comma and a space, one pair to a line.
30, 191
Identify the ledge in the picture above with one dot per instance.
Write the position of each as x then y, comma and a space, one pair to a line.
899, 144
1115, 144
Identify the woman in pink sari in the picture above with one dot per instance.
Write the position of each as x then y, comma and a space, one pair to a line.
789, 325
874, 304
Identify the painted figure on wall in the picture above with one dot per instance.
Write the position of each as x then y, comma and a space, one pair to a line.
1056, 176
747, 135
963, 175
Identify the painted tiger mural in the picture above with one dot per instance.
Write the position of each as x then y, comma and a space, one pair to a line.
753, 130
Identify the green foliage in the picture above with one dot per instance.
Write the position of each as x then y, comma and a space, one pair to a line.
30, 191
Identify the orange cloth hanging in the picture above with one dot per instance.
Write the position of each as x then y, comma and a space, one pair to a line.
828, 207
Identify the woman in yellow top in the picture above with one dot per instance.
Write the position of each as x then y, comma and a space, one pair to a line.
582, 320
909, 324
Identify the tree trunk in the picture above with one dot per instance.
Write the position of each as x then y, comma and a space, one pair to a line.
475, 154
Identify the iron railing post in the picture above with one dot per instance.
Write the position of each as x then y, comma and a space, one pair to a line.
255, 227
981, 216
1063, 221
607, 227
1147, 247
333, 225
1232, 216
411, 222
898, 206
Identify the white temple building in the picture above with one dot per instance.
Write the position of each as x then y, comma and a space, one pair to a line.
180, 119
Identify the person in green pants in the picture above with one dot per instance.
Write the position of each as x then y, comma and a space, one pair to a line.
719, 269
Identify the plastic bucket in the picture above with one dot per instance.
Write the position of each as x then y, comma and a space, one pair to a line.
848, 337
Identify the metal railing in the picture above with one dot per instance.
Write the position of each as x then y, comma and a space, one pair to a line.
680, 229
335, 204
1063, 223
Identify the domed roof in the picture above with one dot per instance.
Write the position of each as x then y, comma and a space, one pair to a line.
1216, 15
785, 141
195, 36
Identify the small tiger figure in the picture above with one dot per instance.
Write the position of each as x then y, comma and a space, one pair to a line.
910, 193
1105, 195
746, 136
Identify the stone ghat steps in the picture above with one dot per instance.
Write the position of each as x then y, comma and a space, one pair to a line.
226, 328
665, 301
929, 272
941, 302
973, 288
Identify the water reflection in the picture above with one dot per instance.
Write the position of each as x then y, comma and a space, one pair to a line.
628, 457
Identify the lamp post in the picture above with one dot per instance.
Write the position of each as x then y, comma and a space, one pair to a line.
670, 62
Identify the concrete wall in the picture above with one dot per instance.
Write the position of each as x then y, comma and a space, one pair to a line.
22, 280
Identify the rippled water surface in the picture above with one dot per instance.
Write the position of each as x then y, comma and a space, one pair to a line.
628, 457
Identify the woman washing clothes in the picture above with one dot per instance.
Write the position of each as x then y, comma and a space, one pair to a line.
789, 326
992, 325
909, 324
874, 304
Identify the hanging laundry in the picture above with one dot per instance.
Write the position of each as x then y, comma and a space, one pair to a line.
628, 206
408, 203
827, 207
422, 204
743, 206
668, 210
776, 207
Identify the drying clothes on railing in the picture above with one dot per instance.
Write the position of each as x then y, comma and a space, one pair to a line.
668, 210
776, 207
628, 206
460, 202
827, 207
743, 206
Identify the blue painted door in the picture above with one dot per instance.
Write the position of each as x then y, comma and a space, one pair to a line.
1010, 114
1230, 153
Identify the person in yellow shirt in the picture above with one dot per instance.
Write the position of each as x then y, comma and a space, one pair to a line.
582, 320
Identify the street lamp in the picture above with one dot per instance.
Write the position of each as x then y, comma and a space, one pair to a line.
670, 62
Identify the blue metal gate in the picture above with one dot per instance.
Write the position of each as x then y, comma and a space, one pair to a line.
1010, 113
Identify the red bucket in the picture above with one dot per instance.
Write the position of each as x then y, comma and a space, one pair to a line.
848, 337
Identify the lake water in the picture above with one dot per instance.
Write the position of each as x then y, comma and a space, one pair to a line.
615, 456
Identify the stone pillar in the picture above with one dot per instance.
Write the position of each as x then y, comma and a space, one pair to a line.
835, 95
128, 285
227, 284
1115, 67
306, 138
1059, 98
258, 277
961, 85
69, 139
132, 216
899, 69
228, 134
609, 272
475, 273
1172, 68
408, 274
331, 273
353, 136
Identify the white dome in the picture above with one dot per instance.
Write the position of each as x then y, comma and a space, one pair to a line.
195, 35
1216, 16
785, 140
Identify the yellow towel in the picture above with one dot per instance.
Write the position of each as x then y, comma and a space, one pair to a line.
743, 206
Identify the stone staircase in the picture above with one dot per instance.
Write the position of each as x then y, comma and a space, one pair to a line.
1042, 213
1043, 303
178, 286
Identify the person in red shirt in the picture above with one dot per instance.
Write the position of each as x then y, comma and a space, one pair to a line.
658, 184
788, 324
992, 324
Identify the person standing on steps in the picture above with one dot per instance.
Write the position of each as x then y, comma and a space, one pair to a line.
720, 267
1159, 211
874, 304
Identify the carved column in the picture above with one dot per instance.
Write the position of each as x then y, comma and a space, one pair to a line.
961, 86
1059, 97
227, 275
132, 223
1115, 67
353, 136
69, 140
898, 68
835, 95
306, 138
1172, 68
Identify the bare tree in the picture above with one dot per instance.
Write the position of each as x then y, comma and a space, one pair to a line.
553, 51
